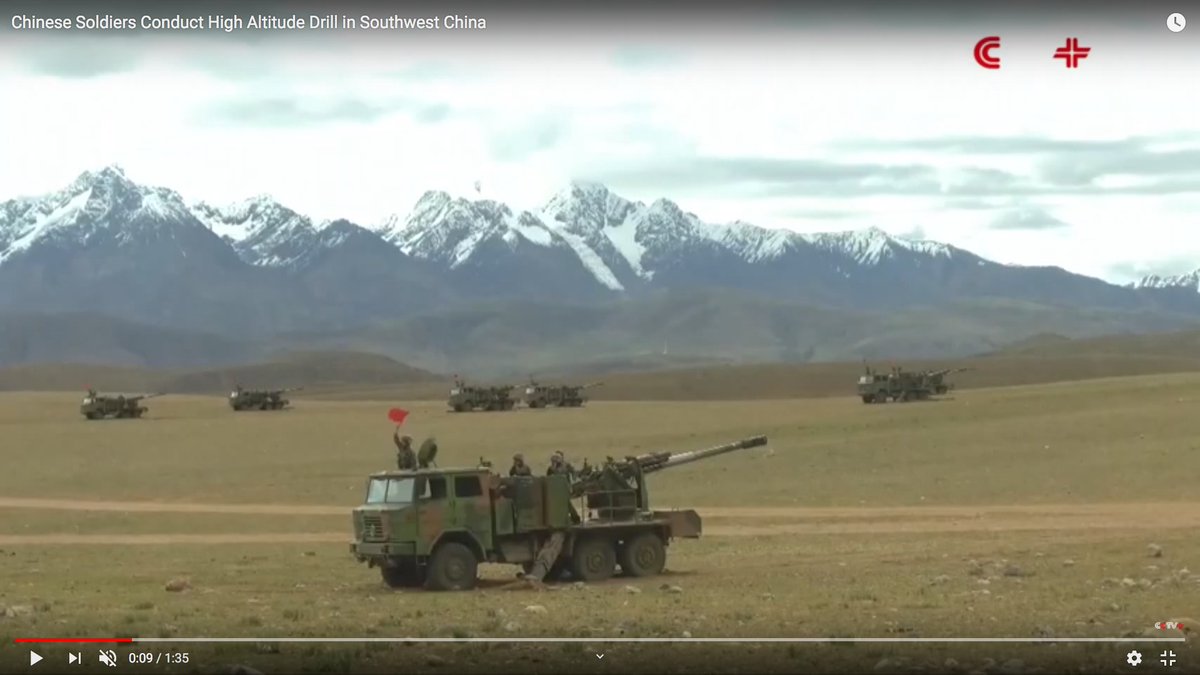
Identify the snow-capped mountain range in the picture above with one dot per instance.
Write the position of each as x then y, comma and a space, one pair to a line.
617, 241
107, 243
1189, 281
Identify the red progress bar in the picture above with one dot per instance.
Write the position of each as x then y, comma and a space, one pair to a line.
120, 640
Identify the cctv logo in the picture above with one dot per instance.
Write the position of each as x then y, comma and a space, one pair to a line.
983, 50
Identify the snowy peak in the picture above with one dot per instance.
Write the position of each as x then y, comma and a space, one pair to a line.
755, 244
1189, 281
261, 230
448, 230
102, 203
586, 208
872, 246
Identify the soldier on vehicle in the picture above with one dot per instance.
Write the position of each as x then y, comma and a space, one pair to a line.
406, 459
558, 464
519, 467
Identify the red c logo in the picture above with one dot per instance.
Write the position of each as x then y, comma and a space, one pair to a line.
983, 50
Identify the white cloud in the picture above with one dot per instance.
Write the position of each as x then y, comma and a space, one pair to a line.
360, 133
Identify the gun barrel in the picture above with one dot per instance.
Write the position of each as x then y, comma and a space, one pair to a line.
589, 385
697, 455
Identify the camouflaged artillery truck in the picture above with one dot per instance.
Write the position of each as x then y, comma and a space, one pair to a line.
433, 527
556, 396
97, 406
259, 399
902, 385
464, 398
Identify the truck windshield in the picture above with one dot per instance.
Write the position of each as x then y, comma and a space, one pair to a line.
390, 491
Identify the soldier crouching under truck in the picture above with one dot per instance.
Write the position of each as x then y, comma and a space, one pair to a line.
432, 527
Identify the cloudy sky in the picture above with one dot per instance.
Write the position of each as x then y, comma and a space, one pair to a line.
793, 120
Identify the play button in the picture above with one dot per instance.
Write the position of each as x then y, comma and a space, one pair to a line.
34, 657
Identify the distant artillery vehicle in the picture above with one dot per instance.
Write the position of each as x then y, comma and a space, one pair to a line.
433, 527
557, 396
464, 398
902, 385
96, 406
259, 399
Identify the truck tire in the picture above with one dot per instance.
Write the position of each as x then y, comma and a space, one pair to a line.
593, 559
406, 575
452, 568
643, 555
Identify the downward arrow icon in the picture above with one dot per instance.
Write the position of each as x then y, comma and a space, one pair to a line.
600, 656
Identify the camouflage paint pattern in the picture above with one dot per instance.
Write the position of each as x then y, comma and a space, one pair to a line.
557, 396
259, 399
465, 398
903, 385
97, 406
516, 519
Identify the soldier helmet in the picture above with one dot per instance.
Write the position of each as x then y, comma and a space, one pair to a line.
406, 439
518, 457
559, 454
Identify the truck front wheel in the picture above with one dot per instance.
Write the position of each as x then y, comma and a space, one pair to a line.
452, 568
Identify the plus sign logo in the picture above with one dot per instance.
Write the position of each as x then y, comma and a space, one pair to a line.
1167, 658
1071, 52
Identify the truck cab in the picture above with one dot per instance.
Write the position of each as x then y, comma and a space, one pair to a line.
410, 519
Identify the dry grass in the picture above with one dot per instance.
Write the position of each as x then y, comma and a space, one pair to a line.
885, 521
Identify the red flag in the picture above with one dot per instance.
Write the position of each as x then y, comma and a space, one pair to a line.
397, 415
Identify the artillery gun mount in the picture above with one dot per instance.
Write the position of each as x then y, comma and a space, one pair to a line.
903, 386
468, 398
96, 406
433, 527
557, 396
259, 399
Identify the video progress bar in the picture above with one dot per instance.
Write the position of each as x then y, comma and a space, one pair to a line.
635, 640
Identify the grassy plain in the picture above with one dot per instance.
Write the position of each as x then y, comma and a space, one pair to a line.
1020, 511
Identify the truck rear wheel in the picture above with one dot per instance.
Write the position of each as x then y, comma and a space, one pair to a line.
452, 568
644, 555
593, 559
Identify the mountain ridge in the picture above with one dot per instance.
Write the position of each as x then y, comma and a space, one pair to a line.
451, 274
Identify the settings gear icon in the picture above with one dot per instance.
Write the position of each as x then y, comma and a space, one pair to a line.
1133, 658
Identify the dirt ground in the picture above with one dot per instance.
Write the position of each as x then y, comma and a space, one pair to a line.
718, 521
1051, 512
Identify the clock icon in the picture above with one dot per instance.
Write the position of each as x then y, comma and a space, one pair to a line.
1176, 22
